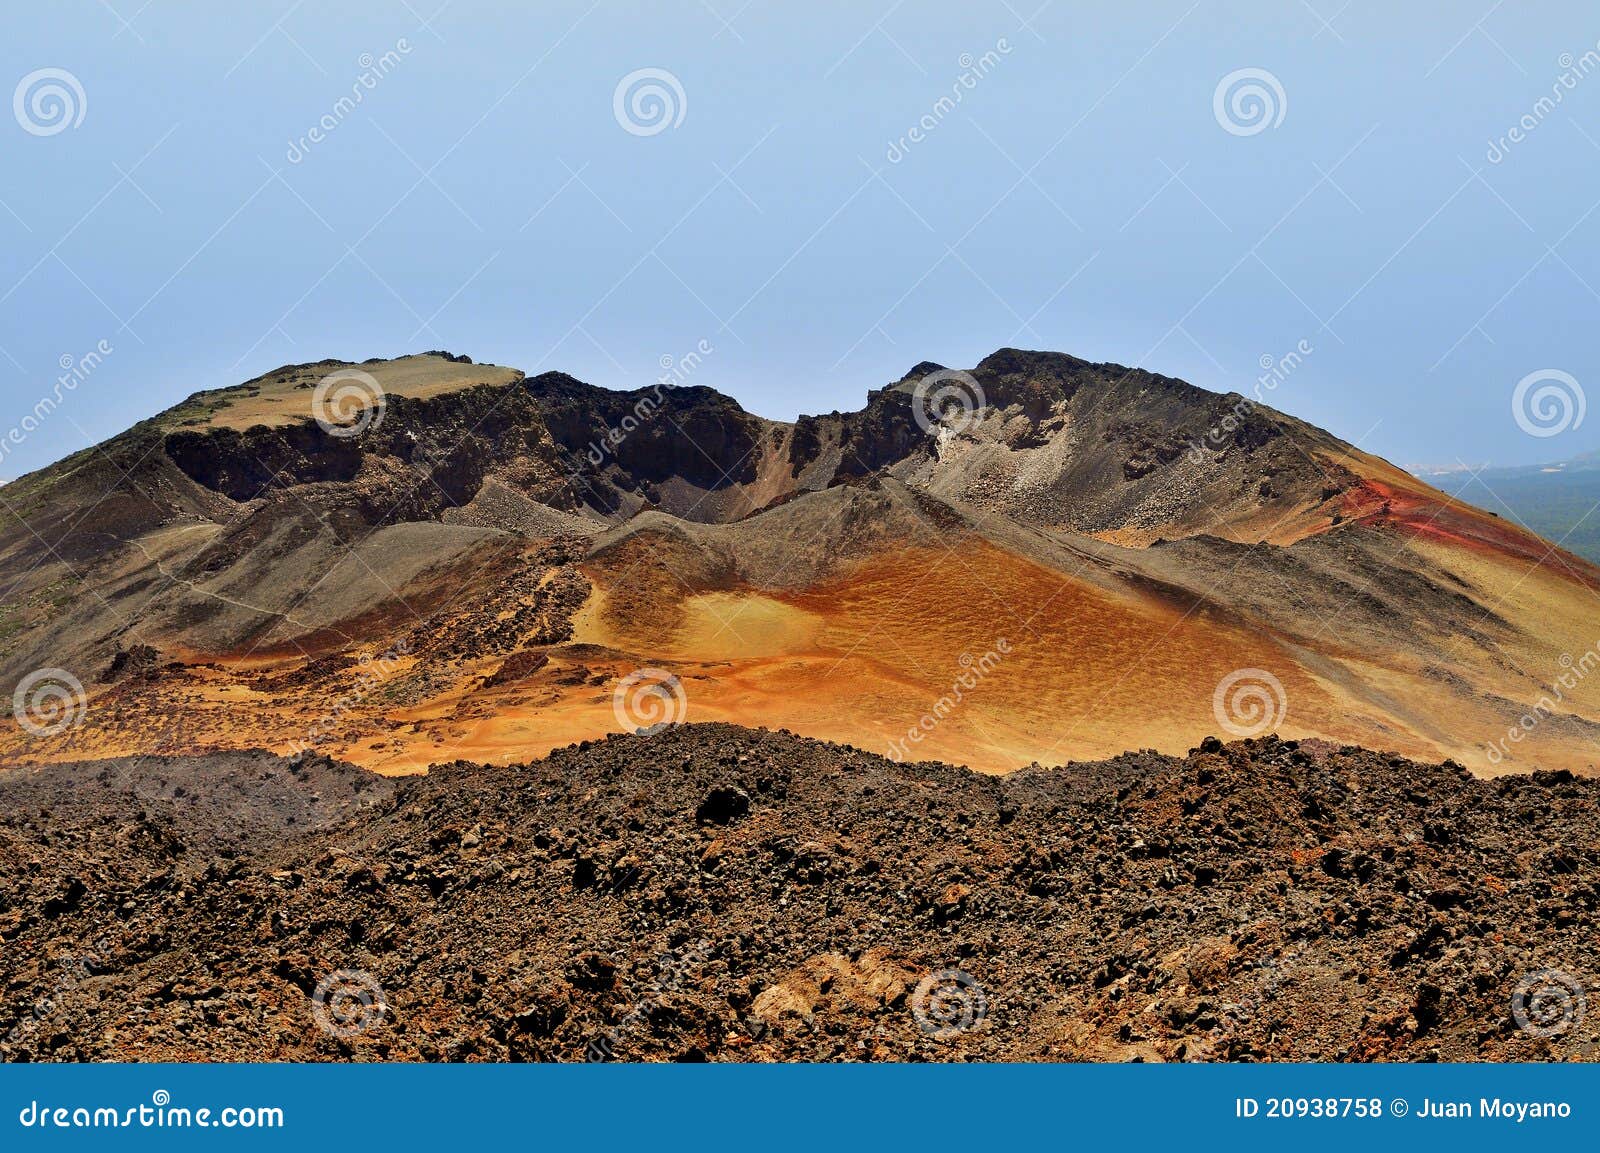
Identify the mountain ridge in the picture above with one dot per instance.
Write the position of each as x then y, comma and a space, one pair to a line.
1137, 540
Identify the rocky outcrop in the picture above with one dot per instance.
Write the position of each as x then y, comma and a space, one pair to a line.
421, 457
1117, 450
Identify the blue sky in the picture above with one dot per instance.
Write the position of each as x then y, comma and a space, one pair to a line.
1083, 195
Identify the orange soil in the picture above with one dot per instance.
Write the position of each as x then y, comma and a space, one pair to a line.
1083, 674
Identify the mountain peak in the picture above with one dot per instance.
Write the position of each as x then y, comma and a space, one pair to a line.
921, 369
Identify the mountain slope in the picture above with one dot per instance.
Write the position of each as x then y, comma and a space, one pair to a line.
1038, 559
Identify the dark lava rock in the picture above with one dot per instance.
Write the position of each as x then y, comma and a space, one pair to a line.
624, 900
723, 806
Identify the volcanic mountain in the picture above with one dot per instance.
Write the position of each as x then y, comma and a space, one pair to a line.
1038, 559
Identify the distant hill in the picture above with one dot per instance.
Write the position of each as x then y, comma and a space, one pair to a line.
1559, 501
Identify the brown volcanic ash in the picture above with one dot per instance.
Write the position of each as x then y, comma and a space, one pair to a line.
476, 573
718, 893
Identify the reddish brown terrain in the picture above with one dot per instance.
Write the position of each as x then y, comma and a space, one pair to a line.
718, 893
375, 735
1073, 564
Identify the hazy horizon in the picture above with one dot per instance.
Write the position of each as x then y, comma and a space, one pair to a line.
832, 196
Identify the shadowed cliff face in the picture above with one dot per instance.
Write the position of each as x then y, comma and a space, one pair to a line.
452, 441
619, 448
243, 465
653, 433
695, 453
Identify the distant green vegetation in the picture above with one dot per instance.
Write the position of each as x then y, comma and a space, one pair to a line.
42, 605
1562, 507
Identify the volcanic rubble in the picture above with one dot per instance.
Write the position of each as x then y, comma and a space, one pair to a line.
710, 892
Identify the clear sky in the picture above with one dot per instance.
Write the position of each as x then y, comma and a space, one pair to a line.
1086, 193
